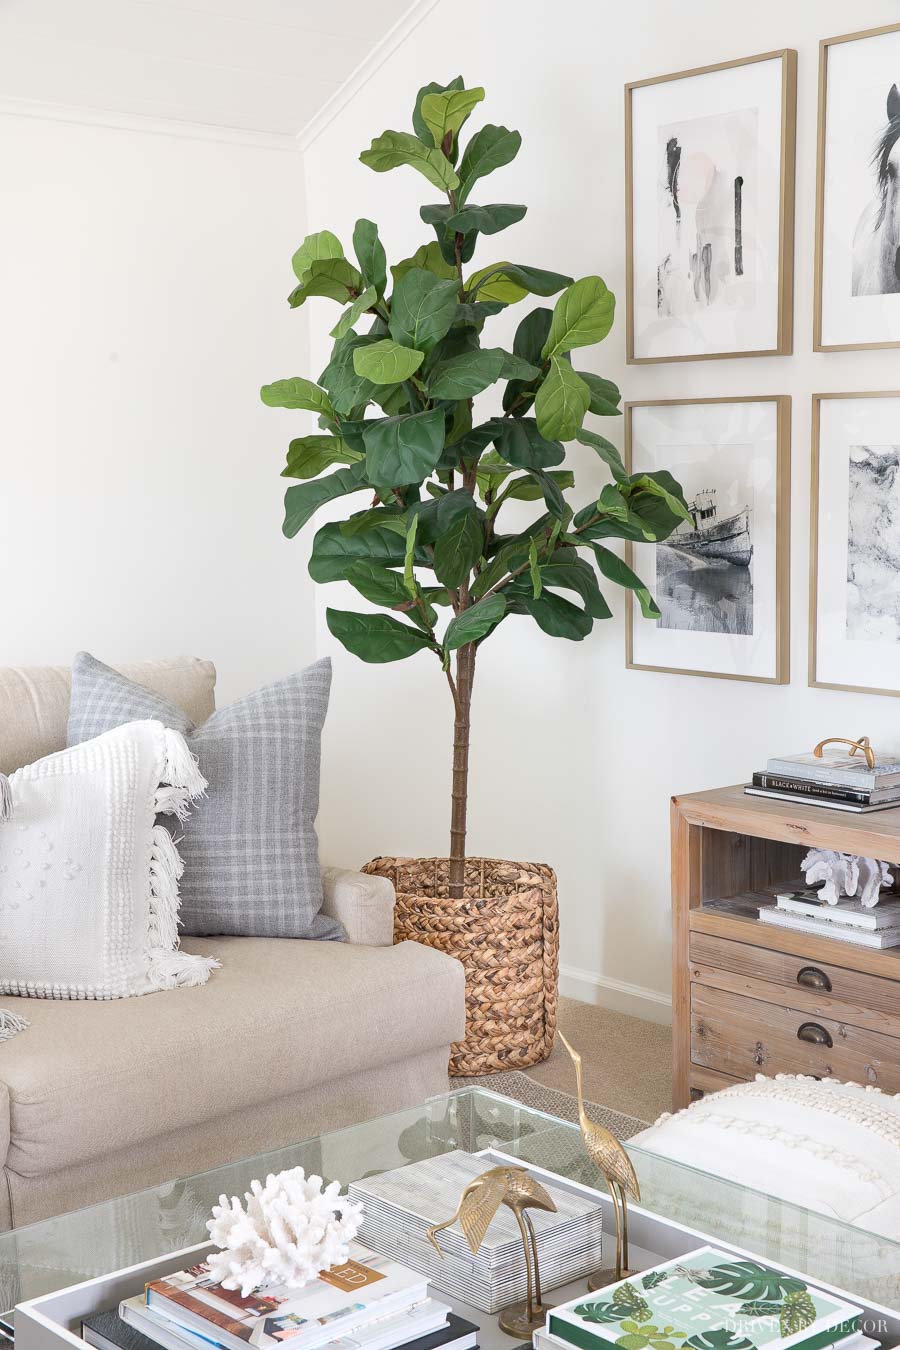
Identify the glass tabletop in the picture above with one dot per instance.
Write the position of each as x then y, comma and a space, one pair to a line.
130, 1229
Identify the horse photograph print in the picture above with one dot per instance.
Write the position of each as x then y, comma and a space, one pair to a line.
857, 302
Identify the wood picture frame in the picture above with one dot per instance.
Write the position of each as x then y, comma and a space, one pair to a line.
815, 532
780, 528
782, 333
825, 47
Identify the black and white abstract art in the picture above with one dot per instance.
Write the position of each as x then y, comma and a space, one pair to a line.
873, 544
855, 637
710, 188
707, 189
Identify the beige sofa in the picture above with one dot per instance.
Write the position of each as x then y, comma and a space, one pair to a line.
288, 1039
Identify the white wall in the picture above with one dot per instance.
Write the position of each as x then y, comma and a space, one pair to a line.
575, 758
142, 303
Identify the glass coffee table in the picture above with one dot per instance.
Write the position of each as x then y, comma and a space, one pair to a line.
92, 1242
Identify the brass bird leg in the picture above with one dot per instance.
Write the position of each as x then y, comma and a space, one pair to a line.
523, 1318
609, 1274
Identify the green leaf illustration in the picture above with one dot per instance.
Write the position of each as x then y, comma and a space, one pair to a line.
719, 1340
745, 1280
798, 1312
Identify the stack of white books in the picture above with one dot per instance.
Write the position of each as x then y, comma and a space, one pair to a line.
400, 1206
369, 1303
805, 912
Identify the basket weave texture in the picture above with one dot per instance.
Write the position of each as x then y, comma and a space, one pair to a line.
505, 931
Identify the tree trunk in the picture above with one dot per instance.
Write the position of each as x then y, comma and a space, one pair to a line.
465, 671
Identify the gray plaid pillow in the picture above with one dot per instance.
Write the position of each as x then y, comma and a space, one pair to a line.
250, 852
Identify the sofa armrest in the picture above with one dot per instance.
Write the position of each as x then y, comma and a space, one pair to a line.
364, 904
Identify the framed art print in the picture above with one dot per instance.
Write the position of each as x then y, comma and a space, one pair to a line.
854, 628
709, 163
721, 580
857, 300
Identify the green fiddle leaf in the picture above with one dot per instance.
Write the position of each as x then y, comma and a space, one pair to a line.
418, 121
445, 112
520, 443
477, 312
331, 277
376, 637
377, 584
307, 456
583, 314
530, 337
511, 282
334, 553
662, 484
474, 623
558, 617
465, 375
386, 362
534, 571
303, 500
458, 549
297, 393
514, 368
605, 396
531, 487
552, 494
409, 577
403, 449
612, 566
427, 257
561, 402
606, 450
422, 309
350, 316
489, 149
370, 254
349, 392
392, 149
470, 446
376, 518
566, 571
315, 247
484, 219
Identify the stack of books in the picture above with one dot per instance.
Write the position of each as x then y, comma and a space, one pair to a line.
369, 1303
842, 782
806, 912
401, 1205
707, 1300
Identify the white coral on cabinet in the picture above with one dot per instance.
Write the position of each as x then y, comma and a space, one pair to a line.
291, 1228
846, 875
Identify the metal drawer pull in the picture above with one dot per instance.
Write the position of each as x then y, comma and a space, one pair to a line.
813, 978
816, 1035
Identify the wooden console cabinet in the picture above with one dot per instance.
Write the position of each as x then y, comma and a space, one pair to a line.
749, 998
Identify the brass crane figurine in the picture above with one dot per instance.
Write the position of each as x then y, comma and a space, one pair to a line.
609, 1157
478, 1204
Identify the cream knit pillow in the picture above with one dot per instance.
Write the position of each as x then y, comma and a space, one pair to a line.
88, 880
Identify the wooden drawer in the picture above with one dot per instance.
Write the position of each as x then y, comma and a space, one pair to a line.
741, 1036
817, 988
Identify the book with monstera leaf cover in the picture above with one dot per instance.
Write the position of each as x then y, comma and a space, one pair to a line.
707, 1300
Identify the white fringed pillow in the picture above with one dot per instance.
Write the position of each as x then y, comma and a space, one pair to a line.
88, 880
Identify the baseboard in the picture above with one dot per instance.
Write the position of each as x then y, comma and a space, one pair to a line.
607, 992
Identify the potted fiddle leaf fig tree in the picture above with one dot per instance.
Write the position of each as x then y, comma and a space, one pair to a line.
425, 540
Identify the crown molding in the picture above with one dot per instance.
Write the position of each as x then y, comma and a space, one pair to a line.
154, 126
367, 68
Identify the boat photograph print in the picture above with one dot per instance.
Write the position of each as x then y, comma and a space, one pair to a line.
720, 577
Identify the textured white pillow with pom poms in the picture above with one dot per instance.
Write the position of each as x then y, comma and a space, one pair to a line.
828, 1146
88, 880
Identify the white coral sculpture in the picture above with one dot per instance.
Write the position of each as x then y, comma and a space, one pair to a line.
846, 875
290, 1229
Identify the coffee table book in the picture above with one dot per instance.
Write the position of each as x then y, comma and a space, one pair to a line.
698, 1297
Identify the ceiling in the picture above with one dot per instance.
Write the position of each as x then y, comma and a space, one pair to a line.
249, 65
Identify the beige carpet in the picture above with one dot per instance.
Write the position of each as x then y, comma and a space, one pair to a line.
627, 1062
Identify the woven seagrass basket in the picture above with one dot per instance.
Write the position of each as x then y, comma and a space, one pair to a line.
505, 931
